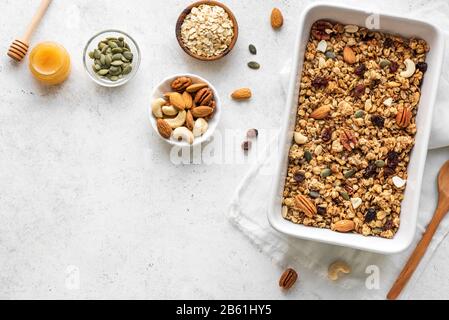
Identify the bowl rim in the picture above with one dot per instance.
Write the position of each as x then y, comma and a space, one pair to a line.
209, 133
187, 10
101, 81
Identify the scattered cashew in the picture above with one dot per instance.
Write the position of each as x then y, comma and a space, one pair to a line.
336, 268
169, 110
200, 127
156, 107
300, 138
410, 69
183, 134
178, 121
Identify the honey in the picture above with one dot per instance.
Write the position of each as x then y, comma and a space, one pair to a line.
50, 63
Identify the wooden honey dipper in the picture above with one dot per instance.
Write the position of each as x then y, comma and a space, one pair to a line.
19, 47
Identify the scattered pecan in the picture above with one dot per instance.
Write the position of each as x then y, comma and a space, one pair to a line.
305, 205
288, 279
404, 117
181, 84
348, 139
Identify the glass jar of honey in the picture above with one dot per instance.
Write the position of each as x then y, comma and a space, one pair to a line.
50, 63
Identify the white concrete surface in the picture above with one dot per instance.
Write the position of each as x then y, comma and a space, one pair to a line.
87, 189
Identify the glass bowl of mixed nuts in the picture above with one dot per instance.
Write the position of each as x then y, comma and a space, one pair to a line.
207, 30
185, 110
111, 58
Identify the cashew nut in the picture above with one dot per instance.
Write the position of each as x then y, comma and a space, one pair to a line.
336, 268
300, 138
178, 121
169, 111
410, 69
156, 107
200, 127
183, 134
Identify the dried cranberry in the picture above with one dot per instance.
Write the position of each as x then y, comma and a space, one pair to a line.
421, 66
320, 83
370, 215
388, 225
371, 170
393, 159
360, 70
388, 43
359, 90
394, 66
389, 172
321, 211
299, 177
326, 134
246, 145
378, 121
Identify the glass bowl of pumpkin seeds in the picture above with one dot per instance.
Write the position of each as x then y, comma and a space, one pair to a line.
111, 58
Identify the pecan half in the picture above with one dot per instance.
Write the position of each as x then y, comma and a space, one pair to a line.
288, 279
404, 117
321, 28
305, 205
203, 97
181, 84
348, 139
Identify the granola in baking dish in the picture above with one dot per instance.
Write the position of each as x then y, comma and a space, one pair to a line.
355, 129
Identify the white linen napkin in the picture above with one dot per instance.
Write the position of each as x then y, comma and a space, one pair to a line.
248, 212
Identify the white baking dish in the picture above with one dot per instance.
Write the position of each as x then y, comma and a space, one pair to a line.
388, 23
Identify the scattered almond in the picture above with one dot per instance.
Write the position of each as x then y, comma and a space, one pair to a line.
277, 19
321, 113
242, 94
349, 55
164, 128
344, 226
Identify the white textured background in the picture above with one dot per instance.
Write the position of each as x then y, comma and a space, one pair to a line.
85, 182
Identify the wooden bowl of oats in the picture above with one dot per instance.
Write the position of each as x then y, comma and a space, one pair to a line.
207, 30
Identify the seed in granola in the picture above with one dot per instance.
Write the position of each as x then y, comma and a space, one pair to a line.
345, 195
380, 163
370, 215
360, 70
314, 194
326, 134
320, 83
326, 173
330, 55
388, 43
359, 90
371, 170
359, 114
394, 66
321, 210
384, 63
349, 173
252, 134
308, 156
421, 66
378, 121
299, 177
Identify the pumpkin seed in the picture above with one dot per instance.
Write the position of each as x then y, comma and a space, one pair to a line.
326, 173
120, 39
125, 60
349, 173
384, 63
103, 72
103, 59
117, 63
111, 38
91, 54
308, 156
314, 194
252, 49
97, 54
330, 55
101, 45
112, 44
359, 114
128, 55
254, 65
117, 56
345, 195
113, 78
127, 69
380, 163
108, 60
117, 50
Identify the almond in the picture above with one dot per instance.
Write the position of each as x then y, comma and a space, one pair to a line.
321, 113
196, 87
201, 112
344, 226
242, 94
188, 100
176, 100
305, 205
349, 55
164, 128
404, 117
190, 123
277, 19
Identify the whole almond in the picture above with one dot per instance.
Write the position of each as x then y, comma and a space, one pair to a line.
176, 100
349, 55
242, 94
288, 279
164, 128
190, 123
188, 100
201, 112
277, 19
321, 113
196, 87
344, 226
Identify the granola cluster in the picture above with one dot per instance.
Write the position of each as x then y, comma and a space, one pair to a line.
355, 129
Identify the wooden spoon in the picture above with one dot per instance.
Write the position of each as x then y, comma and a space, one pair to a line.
415, 258
19, 47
